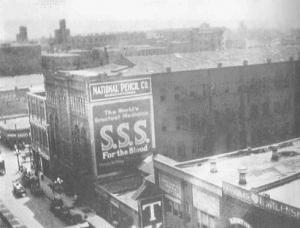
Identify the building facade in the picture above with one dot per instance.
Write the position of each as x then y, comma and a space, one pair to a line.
230, 190
39, 132
20, 59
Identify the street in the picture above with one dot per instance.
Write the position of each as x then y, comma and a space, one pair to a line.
31, 211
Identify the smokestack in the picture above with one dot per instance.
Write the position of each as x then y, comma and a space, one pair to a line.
275, 155
242, 175
213, 166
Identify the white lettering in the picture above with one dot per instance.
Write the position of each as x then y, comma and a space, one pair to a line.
140, 132
151, 209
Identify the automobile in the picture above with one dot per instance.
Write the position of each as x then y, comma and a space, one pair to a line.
56, 206
2, 167
18, 189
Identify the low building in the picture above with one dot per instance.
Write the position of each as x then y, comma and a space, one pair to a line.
242, 188
14, 130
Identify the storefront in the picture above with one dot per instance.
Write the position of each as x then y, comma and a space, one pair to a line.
15, 132
242, 208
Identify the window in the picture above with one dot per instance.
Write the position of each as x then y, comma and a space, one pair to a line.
254, 112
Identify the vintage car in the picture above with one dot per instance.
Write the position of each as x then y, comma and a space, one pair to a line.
2, 167
18, 189
56, 206
35, 187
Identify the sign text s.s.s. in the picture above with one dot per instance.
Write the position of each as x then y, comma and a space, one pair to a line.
151, 212
122, 129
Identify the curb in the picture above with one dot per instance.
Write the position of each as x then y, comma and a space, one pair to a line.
9, 218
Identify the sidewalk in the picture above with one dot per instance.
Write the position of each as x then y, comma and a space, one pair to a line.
92, 217
45, 183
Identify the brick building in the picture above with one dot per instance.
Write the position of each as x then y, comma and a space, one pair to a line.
101, 120
20, 59
211, 102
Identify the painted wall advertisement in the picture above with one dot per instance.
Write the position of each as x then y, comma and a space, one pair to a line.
151, 212
260, 201
123, 127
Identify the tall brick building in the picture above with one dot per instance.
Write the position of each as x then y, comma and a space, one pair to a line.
200, 107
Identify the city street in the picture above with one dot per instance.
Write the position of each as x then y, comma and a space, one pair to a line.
31, 211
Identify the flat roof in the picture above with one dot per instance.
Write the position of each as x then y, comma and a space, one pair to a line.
60, 54
210, 59
287, 193
109, 69
18, 122
261, 171
21, 81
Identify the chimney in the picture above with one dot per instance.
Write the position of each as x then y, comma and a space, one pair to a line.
242, 175
213, 166
168, 69
245, 63
291, 59
275, 155
219, 65
269, 60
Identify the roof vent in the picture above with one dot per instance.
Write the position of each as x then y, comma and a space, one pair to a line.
275, 155
213, 166
242, 175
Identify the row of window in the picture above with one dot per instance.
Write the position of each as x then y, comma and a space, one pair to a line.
279, 108
37, 109
77, 105
39, 137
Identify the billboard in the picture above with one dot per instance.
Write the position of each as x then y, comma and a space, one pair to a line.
151, 212
123, 128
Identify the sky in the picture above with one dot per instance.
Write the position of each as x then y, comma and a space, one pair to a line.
95, 16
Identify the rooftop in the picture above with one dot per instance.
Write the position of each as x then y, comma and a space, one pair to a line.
280, 193
261, 170
109, 69
21, 81
18, 122
210, 59
60, 54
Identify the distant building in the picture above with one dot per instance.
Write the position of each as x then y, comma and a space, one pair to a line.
238, 189
22, 36
62, 35
20, 59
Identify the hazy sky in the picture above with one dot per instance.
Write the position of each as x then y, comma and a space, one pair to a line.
91, 16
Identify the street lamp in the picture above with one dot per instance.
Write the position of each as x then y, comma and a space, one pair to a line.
17, 153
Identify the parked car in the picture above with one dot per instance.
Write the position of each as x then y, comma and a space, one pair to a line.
18, 189
2, 167
56, 206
